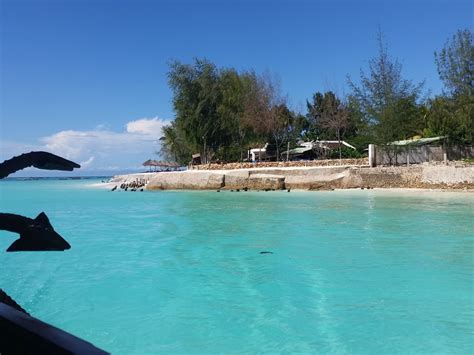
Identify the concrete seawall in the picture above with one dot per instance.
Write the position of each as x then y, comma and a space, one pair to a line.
313, 178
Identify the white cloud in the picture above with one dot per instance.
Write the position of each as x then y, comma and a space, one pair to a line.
146, 126
100, 149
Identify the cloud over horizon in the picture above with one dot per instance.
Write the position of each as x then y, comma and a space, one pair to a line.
146, 126
100, 149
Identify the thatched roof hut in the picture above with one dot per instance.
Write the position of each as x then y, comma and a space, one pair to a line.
161, 164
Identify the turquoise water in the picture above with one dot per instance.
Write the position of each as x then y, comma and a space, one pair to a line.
351, 271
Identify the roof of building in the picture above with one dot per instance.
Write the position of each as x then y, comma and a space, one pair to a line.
334, 144
307, 146
167, 164
299, 150
418, 141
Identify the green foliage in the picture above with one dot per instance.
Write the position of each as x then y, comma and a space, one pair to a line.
267, 113
221, 113
298, 124
328, 117
403, 119
387, 103
209, 104
360, 132
313, 116
195, 102
173, 144
452, 114
455, 63
383, 85
452, 117
361, 142
347, 153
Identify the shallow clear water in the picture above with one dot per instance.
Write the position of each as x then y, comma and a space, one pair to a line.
351, 271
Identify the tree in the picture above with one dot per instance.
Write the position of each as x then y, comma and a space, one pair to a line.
452, 114
267, 113
236, 89
328, 116
212, 111
297, 125
334, 117
280, 126
173, 145
195, 101
360, 132
313, 115
383, 94
455, 63
452, 117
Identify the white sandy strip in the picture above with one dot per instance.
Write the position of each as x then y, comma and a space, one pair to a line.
375, 191
103, 185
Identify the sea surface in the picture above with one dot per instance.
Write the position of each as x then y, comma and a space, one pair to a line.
350, 272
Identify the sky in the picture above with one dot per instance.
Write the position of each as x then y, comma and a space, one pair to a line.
88, 79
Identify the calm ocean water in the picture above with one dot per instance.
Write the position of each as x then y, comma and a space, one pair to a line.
351, 271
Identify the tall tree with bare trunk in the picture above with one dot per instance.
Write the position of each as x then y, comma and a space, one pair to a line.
266, 111
334, 117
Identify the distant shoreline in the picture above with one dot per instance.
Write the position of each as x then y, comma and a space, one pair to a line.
26, 178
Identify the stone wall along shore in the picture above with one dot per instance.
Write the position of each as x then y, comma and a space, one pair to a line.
282, 164
309, 178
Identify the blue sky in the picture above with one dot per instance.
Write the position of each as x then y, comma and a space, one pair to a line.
87, 79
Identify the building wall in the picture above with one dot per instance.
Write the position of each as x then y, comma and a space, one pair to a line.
421, 154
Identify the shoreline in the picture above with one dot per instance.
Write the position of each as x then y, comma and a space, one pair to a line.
422, 177
389, 190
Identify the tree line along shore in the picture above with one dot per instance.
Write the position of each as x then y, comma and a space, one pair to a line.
221, 113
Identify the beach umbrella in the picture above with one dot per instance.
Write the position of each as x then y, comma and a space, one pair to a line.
173, 165
161, 164
149, 163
